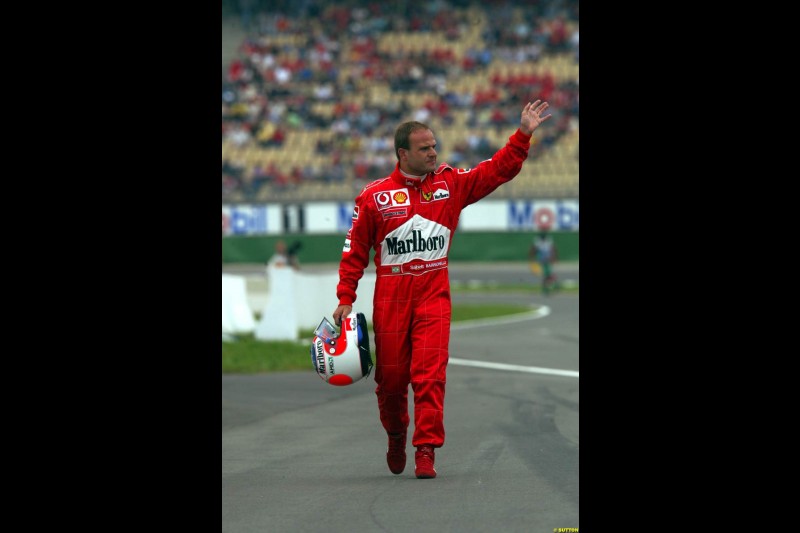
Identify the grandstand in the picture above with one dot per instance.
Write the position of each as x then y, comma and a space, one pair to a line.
337, 77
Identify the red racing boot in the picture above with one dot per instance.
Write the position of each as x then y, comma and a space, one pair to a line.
396, 455
424, 458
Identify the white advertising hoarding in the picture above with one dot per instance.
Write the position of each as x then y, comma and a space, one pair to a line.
252, 219
329, 217
559, 215
336, 217
505, 215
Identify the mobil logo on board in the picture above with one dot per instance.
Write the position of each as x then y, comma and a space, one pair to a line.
244, 219
543, 214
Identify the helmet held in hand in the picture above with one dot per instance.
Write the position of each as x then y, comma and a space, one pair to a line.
342, 358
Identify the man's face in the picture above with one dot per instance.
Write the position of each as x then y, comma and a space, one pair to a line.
420, 158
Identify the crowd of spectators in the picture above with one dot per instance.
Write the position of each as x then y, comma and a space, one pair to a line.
272, 86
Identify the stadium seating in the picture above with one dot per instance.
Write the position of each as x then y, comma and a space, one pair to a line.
552, 172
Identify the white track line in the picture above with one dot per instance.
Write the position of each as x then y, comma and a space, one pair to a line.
515, 368
541, 312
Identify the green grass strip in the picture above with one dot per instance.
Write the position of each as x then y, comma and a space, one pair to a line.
245, 354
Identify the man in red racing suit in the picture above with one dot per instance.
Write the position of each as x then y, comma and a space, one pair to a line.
409, 218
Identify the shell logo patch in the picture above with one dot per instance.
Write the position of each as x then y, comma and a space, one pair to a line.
394, 198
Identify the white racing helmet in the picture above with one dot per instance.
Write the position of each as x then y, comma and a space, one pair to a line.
342, 358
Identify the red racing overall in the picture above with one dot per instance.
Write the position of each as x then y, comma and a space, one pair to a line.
410, 223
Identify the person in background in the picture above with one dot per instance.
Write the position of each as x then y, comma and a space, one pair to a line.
409, 219
292, 251
284, 256
543, 253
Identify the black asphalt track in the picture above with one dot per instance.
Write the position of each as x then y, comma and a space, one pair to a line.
299, 455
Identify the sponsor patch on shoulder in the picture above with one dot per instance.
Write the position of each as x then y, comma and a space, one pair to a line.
393, 198
355, 213
395, 213
440, 192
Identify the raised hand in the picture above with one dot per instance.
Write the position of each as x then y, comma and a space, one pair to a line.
532, 116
